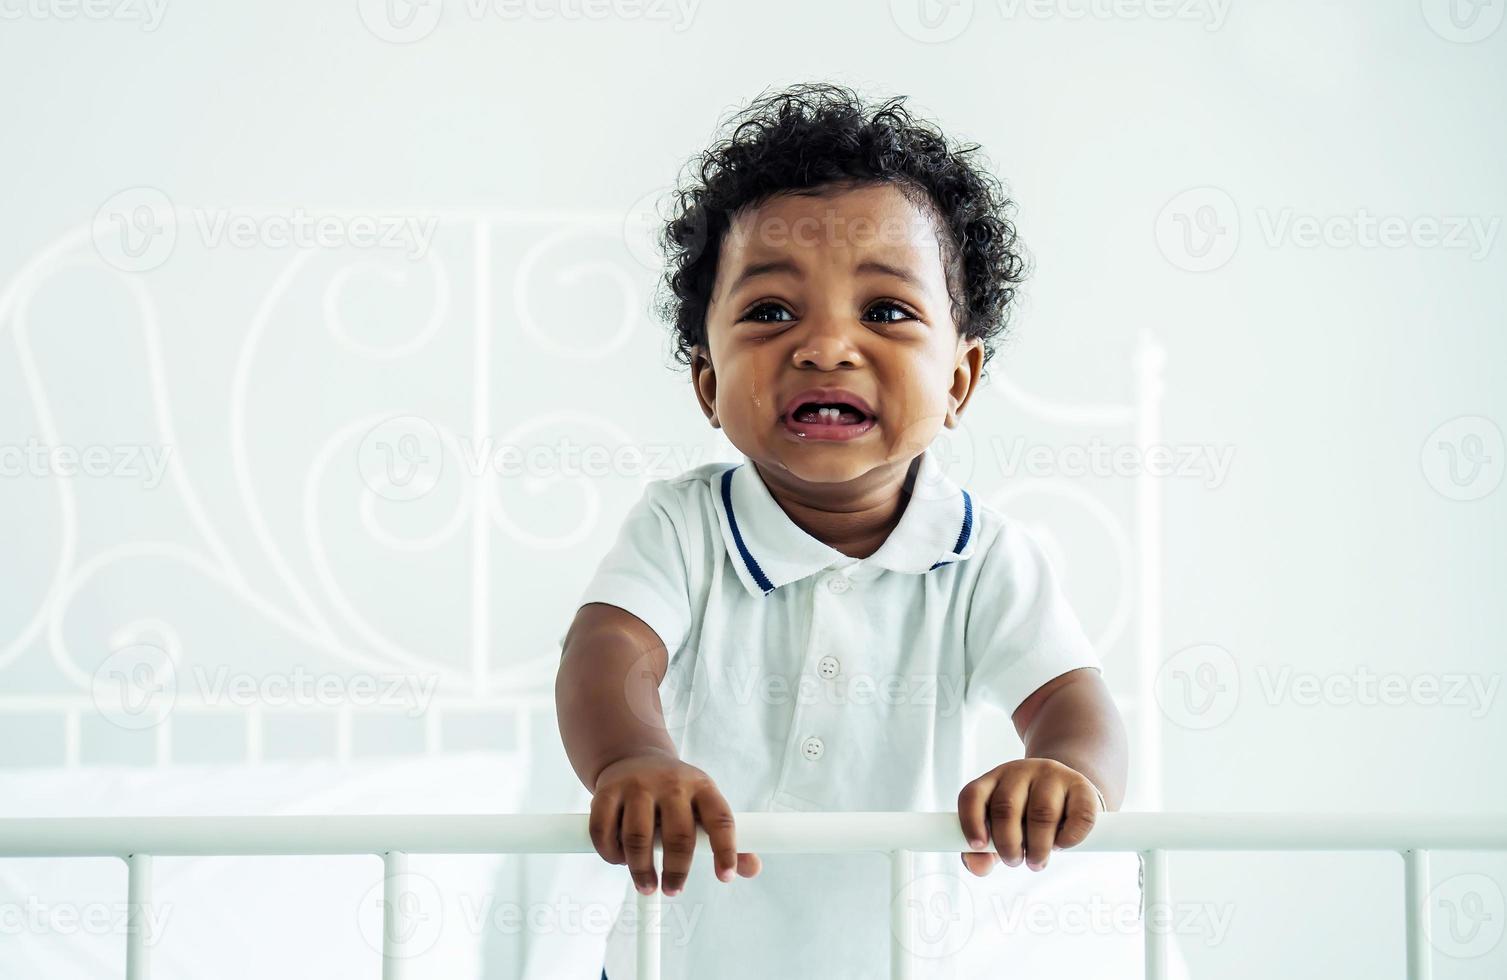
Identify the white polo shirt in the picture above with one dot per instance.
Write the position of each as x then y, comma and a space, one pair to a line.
801, 678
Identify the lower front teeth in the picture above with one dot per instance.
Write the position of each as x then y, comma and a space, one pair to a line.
830, 413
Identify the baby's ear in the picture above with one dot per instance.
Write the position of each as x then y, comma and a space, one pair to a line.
704, 383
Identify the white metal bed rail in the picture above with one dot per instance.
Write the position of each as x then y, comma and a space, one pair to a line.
137, 839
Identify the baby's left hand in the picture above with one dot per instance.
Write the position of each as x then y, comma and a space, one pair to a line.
1029, 795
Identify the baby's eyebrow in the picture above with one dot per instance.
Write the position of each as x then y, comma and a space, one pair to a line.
786, 265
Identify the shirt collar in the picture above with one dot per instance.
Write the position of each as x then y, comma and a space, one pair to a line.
769, 550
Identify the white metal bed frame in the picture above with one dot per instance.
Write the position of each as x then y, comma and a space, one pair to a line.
138, 839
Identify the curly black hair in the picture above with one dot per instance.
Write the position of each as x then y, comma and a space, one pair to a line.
815, 136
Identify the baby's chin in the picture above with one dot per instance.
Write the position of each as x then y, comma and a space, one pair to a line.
825, 465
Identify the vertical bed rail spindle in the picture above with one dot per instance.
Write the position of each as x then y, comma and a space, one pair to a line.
394, 868
1415, 869
138, 916
1155, 907
901, 874
649, 907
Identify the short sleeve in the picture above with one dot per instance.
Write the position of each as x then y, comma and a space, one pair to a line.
1021, 632
644, 571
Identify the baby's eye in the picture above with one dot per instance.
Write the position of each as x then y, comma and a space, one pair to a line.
887, 305
753, 314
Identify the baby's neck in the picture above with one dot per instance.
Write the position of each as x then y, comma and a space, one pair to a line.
857, 527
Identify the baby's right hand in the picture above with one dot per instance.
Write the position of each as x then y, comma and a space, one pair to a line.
622, 820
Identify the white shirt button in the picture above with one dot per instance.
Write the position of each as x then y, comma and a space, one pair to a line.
828, 667
812, 748
838, 584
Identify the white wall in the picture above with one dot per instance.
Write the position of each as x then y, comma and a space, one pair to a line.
1306, 347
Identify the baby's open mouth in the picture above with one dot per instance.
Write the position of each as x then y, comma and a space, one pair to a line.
829, 413
828, 421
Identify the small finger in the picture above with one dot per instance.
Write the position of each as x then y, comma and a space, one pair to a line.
748, 864
603, 825
973, 811
979, 862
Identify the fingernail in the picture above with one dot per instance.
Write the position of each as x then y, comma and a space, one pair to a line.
975, 842
726, 874
646, 889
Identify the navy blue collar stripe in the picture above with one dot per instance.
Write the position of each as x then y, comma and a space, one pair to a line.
748, 560
964, 533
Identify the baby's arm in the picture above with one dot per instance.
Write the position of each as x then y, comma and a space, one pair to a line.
1076, 753
612, 726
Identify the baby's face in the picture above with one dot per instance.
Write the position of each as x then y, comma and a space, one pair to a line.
843, 291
